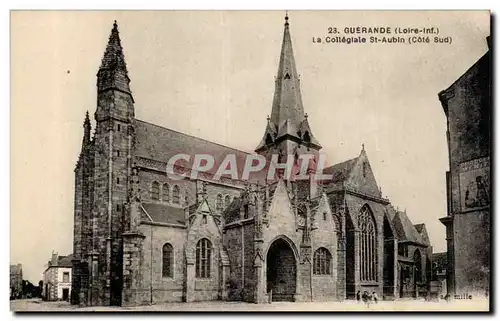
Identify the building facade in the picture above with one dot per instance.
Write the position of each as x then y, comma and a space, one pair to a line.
467, 106
440, 268
57, 278
141, 237
16, 281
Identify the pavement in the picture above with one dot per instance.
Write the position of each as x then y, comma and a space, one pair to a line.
37, 305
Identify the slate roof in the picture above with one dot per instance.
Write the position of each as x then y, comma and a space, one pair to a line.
341, 171
440, 258
405, 231
65, 261
160, 144
164, 213
62, 261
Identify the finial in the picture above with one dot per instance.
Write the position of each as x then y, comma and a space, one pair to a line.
115, 25
363, 147
286, 18
268, 118
306, 115
86, 122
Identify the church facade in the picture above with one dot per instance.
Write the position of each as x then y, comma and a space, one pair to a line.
141, 237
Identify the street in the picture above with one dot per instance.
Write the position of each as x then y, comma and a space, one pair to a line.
400, 305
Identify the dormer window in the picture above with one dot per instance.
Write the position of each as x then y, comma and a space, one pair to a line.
287, 76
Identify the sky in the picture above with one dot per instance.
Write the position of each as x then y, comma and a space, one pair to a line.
211, 74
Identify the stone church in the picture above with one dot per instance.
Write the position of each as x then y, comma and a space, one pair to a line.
142, 238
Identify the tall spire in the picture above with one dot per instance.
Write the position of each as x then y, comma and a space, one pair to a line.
287, 115
287, 103
113, 71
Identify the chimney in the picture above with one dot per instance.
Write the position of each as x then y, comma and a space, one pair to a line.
54, 258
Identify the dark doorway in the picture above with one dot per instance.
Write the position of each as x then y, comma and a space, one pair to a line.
65, 294
281, 271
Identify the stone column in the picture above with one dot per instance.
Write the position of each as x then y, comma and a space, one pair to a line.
341, 262
395, 268
224, 274
260, 284
132, 280
190, 277
75, 281
304, 272
357, 262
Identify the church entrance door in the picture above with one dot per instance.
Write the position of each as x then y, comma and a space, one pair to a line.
281, 271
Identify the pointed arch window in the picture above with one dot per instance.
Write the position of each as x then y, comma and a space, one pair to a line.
168, 261
218, 203
321, 261
287, 76
367, 245
203, 257
166, 193
227, 201
176, 194
155, 190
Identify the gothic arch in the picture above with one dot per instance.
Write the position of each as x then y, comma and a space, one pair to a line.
367, 244
281, 272
287, 240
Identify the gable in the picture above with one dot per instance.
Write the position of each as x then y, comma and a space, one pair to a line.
405, 231
323, 218
281, 215
202, 225
361, 177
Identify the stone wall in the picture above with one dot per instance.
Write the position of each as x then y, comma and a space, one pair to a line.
154, 288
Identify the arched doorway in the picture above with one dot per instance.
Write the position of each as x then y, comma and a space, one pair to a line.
281, 271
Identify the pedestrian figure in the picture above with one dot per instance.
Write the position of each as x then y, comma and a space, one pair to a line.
375, 297
366, 298
358, 296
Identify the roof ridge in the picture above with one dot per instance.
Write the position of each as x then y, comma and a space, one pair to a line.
346, 161
192, 136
